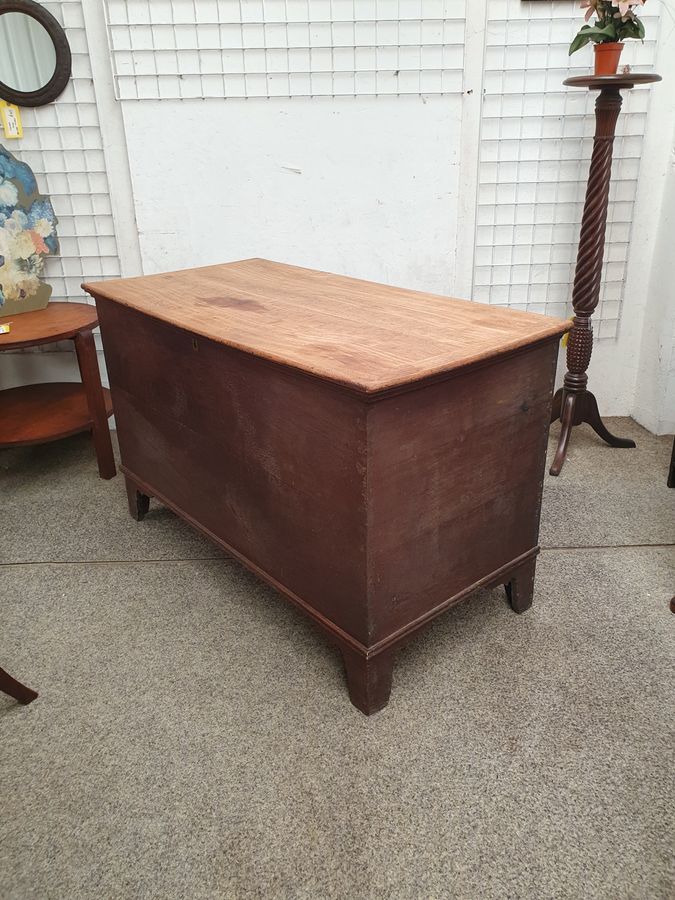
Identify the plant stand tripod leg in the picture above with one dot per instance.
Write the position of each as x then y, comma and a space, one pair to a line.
567, 419
15, 689
591, 415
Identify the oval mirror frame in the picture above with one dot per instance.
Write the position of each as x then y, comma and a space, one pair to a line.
62, 71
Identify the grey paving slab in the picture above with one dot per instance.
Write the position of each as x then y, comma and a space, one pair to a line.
193, 737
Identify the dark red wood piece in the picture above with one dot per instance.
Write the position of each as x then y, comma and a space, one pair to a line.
56, 322
38, 413
368, 679
574, 404
520, 588
620, 81
139, 503
98, 414
16, 689
374, 489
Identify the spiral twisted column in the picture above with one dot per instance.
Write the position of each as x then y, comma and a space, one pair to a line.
574, 403
588, 275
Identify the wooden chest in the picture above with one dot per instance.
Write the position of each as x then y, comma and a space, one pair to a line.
375, 454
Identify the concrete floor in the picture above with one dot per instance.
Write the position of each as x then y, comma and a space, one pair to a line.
193, 736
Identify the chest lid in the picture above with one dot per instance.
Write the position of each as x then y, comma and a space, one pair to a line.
366, 336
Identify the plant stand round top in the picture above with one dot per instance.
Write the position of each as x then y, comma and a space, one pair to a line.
597, 82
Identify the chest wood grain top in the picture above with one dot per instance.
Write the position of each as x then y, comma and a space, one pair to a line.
366, 336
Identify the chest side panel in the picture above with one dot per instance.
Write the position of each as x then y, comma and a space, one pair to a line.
455, 477
271, 463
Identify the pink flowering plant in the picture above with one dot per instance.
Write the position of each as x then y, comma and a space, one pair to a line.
615, 20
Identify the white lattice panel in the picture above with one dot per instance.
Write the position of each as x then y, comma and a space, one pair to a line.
535, 147
62, 144
176, 49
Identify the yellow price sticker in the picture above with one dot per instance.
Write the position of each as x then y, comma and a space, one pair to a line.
565, 338
11, 120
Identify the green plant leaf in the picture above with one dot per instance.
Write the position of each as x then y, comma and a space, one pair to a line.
579, 41
595, 33
634, 29
604, 35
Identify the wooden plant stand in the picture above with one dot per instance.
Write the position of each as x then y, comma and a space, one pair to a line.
574, 404
36, 413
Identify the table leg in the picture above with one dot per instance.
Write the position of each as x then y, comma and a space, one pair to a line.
14, 688
91, 379
520, 587
671, 474
368, 679
138, 503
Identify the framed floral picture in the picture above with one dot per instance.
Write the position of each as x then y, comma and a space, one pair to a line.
27, 237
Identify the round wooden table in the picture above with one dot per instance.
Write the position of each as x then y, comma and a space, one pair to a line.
36, 413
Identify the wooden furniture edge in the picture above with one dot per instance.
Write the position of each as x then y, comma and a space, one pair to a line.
333, 631
620, 81
498, 576
7, 344
351, 388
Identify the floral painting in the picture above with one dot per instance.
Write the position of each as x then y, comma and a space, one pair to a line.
27, 236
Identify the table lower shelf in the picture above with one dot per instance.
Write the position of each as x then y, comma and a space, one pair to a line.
37, 413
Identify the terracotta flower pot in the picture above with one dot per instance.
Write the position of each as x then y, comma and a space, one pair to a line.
607, 58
